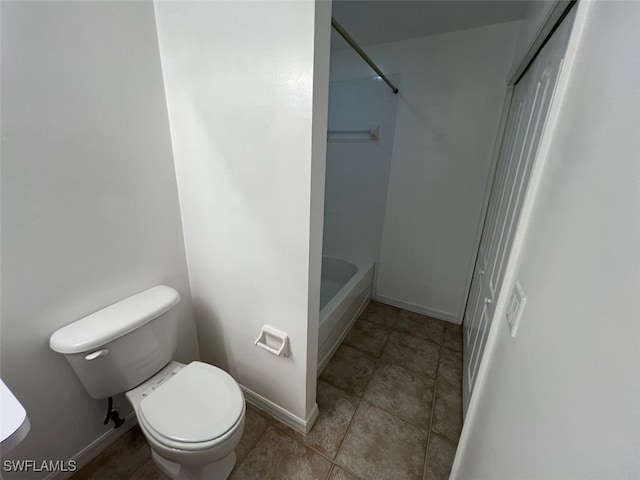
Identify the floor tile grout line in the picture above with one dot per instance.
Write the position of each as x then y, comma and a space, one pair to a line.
393, 329
314, 449
133, 474
348, 470
412, 372
419, 427
384, 409
360, 399
306, 445
236, 467
342, 389
284, 431
433, 409
378, 363
424, 377
346, 432
374, 357
379, 359
342, 466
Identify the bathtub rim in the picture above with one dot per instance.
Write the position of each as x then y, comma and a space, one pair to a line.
328, 345
363, 267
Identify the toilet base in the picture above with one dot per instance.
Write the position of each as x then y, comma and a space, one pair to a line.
219, 470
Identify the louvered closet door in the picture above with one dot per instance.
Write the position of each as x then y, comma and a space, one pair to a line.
527, 115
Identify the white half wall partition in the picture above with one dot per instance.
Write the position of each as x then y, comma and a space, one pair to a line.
246, 86
452, 89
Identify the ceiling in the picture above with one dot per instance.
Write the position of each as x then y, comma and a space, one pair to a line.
371, 22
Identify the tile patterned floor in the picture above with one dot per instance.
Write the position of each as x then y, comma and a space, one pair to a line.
390, 405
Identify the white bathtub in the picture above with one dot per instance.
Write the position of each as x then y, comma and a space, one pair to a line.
344, 292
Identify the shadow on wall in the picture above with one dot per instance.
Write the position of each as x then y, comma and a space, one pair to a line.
215, 350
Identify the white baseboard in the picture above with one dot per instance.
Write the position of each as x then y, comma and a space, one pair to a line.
96, 447
298, 424
422, 310
99, 445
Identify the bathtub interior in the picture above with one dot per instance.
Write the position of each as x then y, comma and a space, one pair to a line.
335, 275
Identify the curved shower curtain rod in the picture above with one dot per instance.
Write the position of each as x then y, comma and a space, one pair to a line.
365, 57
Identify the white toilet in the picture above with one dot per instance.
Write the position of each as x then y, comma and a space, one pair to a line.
192, 415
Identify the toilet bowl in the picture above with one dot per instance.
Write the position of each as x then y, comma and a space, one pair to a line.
193, 418
191, 415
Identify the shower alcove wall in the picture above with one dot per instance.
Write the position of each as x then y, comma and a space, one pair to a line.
361, 128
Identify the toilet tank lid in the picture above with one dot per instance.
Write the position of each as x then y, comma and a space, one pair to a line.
114, 321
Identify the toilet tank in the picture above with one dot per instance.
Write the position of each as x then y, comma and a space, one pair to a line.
122, 345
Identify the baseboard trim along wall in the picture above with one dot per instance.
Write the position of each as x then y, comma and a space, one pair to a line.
99, 445
412, 307
96, 447
279, 413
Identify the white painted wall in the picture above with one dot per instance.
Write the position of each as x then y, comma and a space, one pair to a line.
453, 86
358, 168
90, 210
561, 399
242, 81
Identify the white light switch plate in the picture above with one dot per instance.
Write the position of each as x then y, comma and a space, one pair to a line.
515, 308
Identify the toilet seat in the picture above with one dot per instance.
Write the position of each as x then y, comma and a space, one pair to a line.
195, 409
